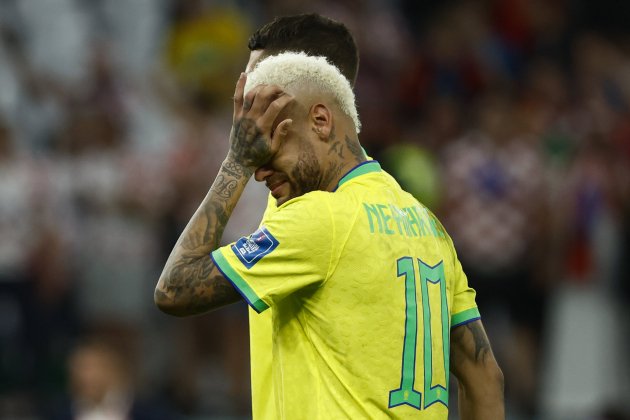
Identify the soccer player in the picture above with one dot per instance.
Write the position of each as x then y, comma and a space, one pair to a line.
319, 36
371, 309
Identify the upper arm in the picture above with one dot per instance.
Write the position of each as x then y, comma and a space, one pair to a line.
478, 375
471, 355
200, 287
290, 252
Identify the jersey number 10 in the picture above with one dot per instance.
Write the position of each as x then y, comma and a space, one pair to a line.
432, 339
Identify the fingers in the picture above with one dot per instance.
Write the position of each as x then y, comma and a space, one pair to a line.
279, 134
263, 104
265, 122
249, 99
255, 138
238, 94
258, 99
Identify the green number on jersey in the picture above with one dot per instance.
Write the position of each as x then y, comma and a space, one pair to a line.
406, 394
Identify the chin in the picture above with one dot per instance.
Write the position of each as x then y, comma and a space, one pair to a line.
281, 200
284, 195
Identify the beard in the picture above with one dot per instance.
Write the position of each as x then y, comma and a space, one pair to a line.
306, 174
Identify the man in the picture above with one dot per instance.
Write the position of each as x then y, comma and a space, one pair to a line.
102, 386
310, 33
362, 279
319, 36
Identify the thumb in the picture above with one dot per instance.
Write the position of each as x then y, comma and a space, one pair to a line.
280, 133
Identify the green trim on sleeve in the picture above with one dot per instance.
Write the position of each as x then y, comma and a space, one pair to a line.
465, 316
241, 285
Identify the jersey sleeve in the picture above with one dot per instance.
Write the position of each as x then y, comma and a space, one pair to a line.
464, 309
290, 251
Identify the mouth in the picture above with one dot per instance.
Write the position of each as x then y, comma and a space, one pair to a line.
275, 187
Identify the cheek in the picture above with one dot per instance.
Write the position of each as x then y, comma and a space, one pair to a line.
306, 170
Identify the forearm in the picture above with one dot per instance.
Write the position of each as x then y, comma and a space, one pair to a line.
190, 282
187, 275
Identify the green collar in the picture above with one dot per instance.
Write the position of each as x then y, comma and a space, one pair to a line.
361, 169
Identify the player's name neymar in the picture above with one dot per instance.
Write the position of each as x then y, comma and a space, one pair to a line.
387, 219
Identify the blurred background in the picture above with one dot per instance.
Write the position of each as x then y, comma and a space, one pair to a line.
510, 119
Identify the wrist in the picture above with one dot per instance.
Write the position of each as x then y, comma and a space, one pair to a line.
235, 168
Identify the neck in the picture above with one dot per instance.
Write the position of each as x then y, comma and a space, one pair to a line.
344, 153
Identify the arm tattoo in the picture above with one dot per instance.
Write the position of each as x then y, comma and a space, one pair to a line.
190, 282
233, 169
482, 346
207, 294
225, 187
469, 342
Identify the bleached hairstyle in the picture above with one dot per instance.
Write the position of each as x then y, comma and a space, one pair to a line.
292, 69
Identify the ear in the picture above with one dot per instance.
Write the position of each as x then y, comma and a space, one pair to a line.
321, 121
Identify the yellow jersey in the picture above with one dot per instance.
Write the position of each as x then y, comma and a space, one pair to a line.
364, 286
260, 351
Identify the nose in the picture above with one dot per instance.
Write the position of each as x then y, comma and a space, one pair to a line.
262, 173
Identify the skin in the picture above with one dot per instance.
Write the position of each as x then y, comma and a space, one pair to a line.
480, 380
254, 57
296, 146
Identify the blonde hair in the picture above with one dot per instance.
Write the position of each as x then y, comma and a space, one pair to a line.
291, 69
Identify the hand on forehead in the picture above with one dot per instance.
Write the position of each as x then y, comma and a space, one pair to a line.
266, 104
256, 135
307, 78
269, 101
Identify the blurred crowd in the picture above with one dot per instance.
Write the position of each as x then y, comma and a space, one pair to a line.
509, 119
